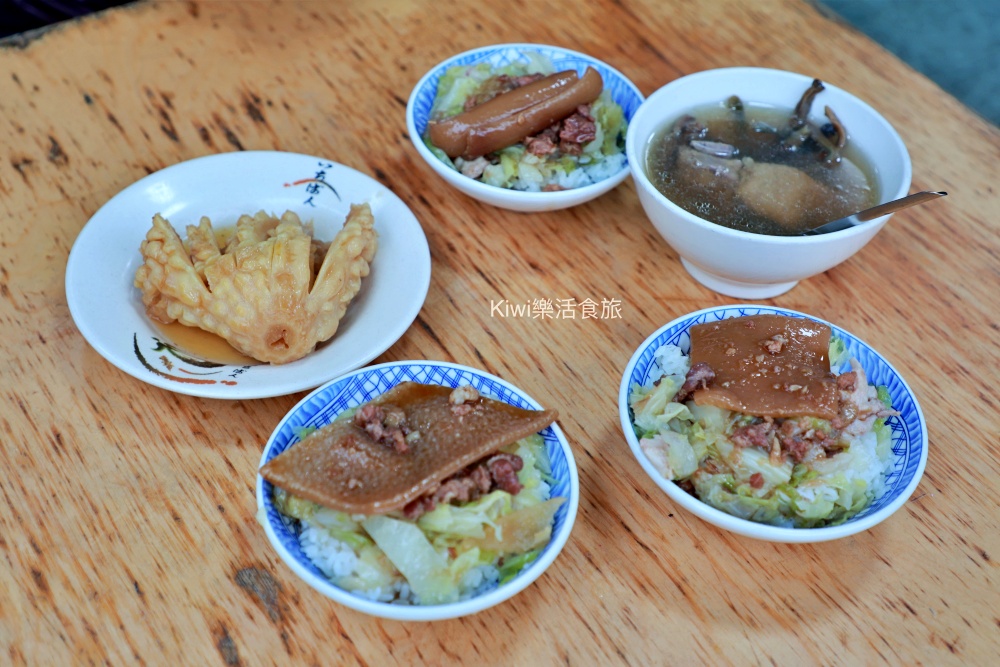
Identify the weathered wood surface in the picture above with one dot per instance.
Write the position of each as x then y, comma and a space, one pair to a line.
127, 529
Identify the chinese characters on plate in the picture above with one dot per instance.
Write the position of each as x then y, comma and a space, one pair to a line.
315, 185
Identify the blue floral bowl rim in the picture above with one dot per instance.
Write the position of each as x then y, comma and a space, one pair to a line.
746, 527
417, 612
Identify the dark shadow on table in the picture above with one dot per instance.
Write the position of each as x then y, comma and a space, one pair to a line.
955, 43
19, 16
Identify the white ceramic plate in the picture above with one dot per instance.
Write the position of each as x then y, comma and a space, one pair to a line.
108, 309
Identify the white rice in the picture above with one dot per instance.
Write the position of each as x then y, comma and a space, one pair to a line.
670, 360
585, 174
336, 560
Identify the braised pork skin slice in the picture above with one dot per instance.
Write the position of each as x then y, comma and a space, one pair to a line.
343, 467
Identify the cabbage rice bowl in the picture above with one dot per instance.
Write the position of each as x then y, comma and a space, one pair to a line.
559, 158
406, 491
790, 467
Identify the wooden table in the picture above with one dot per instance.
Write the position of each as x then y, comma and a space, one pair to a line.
128, 533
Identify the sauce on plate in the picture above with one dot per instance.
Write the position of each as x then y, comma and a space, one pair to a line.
203, 344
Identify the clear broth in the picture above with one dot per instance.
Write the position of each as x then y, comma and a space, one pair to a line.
718, 202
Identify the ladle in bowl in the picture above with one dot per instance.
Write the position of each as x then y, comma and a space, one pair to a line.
874, 212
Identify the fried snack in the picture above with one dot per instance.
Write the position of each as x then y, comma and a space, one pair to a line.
264, 293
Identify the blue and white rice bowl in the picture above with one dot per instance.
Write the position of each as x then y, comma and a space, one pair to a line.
323, 405
909, 430
418, 111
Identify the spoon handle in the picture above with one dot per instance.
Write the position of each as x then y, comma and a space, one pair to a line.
893, 206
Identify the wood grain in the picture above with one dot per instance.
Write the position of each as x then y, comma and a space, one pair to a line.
128, 531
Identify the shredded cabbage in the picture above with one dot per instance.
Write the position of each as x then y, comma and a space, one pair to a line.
469, 520
511, 566
838, 354
535, 475
409, 550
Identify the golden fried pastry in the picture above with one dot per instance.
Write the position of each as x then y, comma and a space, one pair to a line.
264, 293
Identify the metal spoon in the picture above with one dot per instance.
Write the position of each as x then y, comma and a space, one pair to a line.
874, 212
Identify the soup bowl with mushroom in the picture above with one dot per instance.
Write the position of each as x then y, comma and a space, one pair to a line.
733, 165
